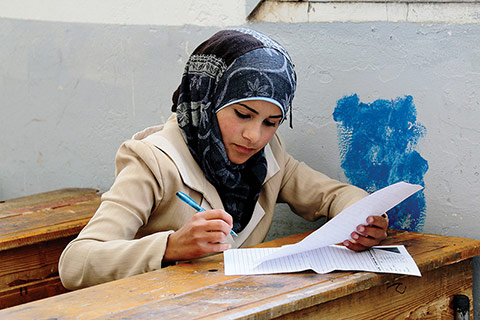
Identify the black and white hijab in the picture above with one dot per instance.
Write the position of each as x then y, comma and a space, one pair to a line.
232, 66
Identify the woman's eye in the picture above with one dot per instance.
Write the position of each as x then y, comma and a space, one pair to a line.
241, 115
270, 124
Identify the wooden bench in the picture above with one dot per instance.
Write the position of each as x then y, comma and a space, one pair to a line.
34, 230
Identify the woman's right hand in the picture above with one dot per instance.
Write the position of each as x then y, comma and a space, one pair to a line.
204, 233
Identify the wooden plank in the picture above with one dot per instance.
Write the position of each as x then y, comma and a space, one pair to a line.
34, 230
188, 274
30, 263
200, 288
61, 215
30, 272
220, 301
31, 291
428, 297
41, 200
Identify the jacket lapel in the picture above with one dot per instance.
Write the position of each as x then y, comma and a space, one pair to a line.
170, 141
272, 164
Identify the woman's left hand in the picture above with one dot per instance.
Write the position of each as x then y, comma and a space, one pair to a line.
369, 235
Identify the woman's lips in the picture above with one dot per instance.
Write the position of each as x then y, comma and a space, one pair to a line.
244, 150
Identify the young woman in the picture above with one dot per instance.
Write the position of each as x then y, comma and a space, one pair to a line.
221, 148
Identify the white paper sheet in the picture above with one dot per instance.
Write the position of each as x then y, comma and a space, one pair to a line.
298, 257
383, 259
342, 225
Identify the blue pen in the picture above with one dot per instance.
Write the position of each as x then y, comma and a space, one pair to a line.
185, 198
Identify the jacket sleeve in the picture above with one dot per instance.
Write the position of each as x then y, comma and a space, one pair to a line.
106, 249
312, 194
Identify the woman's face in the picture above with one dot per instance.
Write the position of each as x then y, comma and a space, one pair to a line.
247, 127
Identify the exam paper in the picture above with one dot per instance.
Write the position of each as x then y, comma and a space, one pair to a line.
383, 259
302, 255
340, 227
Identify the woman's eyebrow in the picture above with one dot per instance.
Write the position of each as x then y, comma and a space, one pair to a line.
256, 112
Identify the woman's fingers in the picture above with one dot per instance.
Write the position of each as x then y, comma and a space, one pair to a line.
378, 221
219, 247
353, 245
216, 225
216, 214
204, 233
372, 232
369, 235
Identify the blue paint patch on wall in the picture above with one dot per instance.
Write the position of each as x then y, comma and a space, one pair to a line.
377, 148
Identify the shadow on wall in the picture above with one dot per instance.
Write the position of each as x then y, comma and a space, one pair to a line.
377, 147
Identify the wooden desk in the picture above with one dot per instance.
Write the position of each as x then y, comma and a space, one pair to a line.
34, 230
201, 290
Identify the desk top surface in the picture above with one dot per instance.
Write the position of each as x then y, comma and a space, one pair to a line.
202, 288
46, 216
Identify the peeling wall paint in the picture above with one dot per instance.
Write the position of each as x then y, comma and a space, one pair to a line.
358, 11
378, 143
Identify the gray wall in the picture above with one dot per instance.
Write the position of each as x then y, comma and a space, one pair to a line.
71, 93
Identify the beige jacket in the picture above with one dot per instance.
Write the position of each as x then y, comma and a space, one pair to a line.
128, 234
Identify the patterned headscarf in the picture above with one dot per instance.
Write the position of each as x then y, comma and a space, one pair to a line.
232, 66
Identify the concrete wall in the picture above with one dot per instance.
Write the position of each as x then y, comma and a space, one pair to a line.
79, 78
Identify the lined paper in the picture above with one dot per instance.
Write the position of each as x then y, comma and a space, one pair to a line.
340, 227
317, 251
383, 259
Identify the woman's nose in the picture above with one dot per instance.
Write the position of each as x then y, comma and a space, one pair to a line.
252, 132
